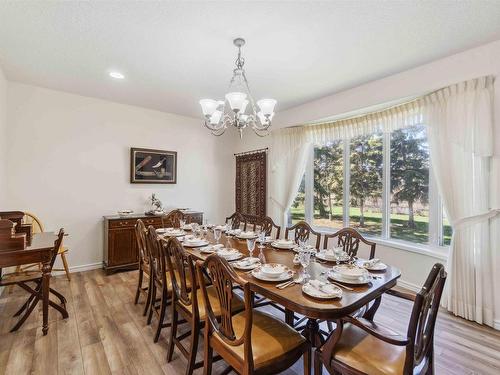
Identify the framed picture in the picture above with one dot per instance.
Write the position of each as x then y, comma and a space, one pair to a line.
153, 166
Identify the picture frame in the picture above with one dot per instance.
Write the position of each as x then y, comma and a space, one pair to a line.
150, 166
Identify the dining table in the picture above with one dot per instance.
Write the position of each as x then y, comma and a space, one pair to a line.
293, 299
40, 250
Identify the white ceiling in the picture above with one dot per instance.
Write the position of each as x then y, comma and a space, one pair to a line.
175, 53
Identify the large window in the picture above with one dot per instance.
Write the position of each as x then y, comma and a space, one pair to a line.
410, 185
328, 185
379, 184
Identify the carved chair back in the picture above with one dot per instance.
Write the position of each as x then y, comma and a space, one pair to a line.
263, 223
236, 221
423, 319
173, 219
157, 253
182, 262
349, 239
302, 231
223, 278
140, 235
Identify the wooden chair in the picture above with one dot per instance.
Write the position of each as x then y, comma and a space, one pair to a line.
263, 223
251, 342
144, 265
236, 221
37, 227
361, 346
188, 303
302, 231
160, 281
173, 219
32, 283
349, 239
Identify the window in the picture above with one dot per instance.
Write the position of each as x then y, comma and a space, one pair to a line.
297, 211
379, 184
328, 185
410, 185
365, 184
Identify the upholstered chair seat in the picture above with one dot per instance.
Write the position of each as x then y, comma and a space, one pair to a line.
271, 338
237, 303
364, 352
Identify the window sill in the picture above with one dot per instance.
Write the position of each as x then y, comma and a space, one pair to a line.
439, 252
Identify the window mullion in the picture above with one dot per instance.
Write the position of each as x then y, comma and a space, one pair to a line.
386, 185
347, 174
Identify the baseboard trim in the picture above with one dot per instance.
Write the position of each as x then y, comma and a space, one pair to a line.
410, 286
496, 324
81, 268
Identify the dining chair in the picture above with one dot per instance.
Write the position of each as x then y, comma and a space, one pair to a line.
267, 225
349, 239
251, 341
236, 221
32, 283
160, 283
361, 346
303, 231
173, 219
37, 227
188, 303
144, 265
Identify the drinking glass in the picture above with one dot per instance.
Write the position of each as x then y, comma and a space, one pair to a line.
262, 238
217, 234
305, 258
251, 246
182, 222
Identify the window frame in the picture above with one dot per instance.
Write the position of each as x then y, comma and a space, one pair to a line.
435, 245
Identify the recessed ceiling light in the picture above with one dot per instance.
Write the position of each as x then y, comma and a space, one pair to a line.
116, 75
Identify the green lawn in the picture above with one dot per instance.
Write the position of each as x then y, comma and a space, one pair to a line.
373, 224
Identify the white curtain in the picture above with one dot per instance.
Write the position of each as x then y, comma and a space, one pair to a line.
288, 158
460, 121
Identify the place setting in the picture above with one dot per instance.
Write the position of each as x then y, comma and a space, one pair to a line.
273, 272
193, 241
170, 232
350, 274
372, 265
336, 254
283, 244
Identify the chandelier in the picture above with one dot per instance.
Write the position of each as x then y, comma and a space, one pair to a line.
238, 109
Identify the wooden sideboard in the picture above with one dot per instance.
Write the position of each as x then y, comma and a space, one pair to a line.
120, 245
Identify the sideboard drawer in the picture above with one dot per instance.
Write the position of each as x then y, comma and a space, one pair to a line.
122, 223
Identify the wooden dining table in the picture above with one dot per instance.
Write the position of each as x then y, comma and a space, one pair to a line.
39, 251
295, 301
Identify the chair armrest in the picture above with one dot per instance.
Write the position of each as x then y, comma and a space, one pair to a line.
378, 331
397, 293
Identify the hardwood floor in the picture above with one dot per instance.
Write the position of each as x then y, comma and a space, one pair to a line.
106, 334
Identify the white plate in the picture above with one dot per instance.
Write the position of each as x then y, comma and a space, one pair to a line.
171, 233
187, 227
232, 257
241, 265
283, 277
321, 256
188, 243
286, 246
246, 236
315, 293
311, 249
338, 277
377, 267
210, 249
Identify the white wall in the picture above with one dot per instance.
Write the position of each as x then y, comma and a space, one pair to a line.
473, 63
3, 138
69, 163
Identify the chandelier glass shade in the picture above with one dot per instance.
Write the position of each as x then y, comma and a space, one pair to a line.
238, 109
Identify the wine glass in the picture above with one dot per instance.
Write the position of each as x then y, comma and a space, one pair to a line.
217, 233
251, 246
182, 223
302, 243
305, 259
261, 235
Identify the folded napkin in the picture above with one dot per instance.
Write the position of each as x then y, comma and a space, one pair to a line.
370, 263
325, 287
248, 261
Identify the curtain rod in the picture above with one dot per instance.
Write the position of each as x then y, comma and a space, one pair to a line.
252, 152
